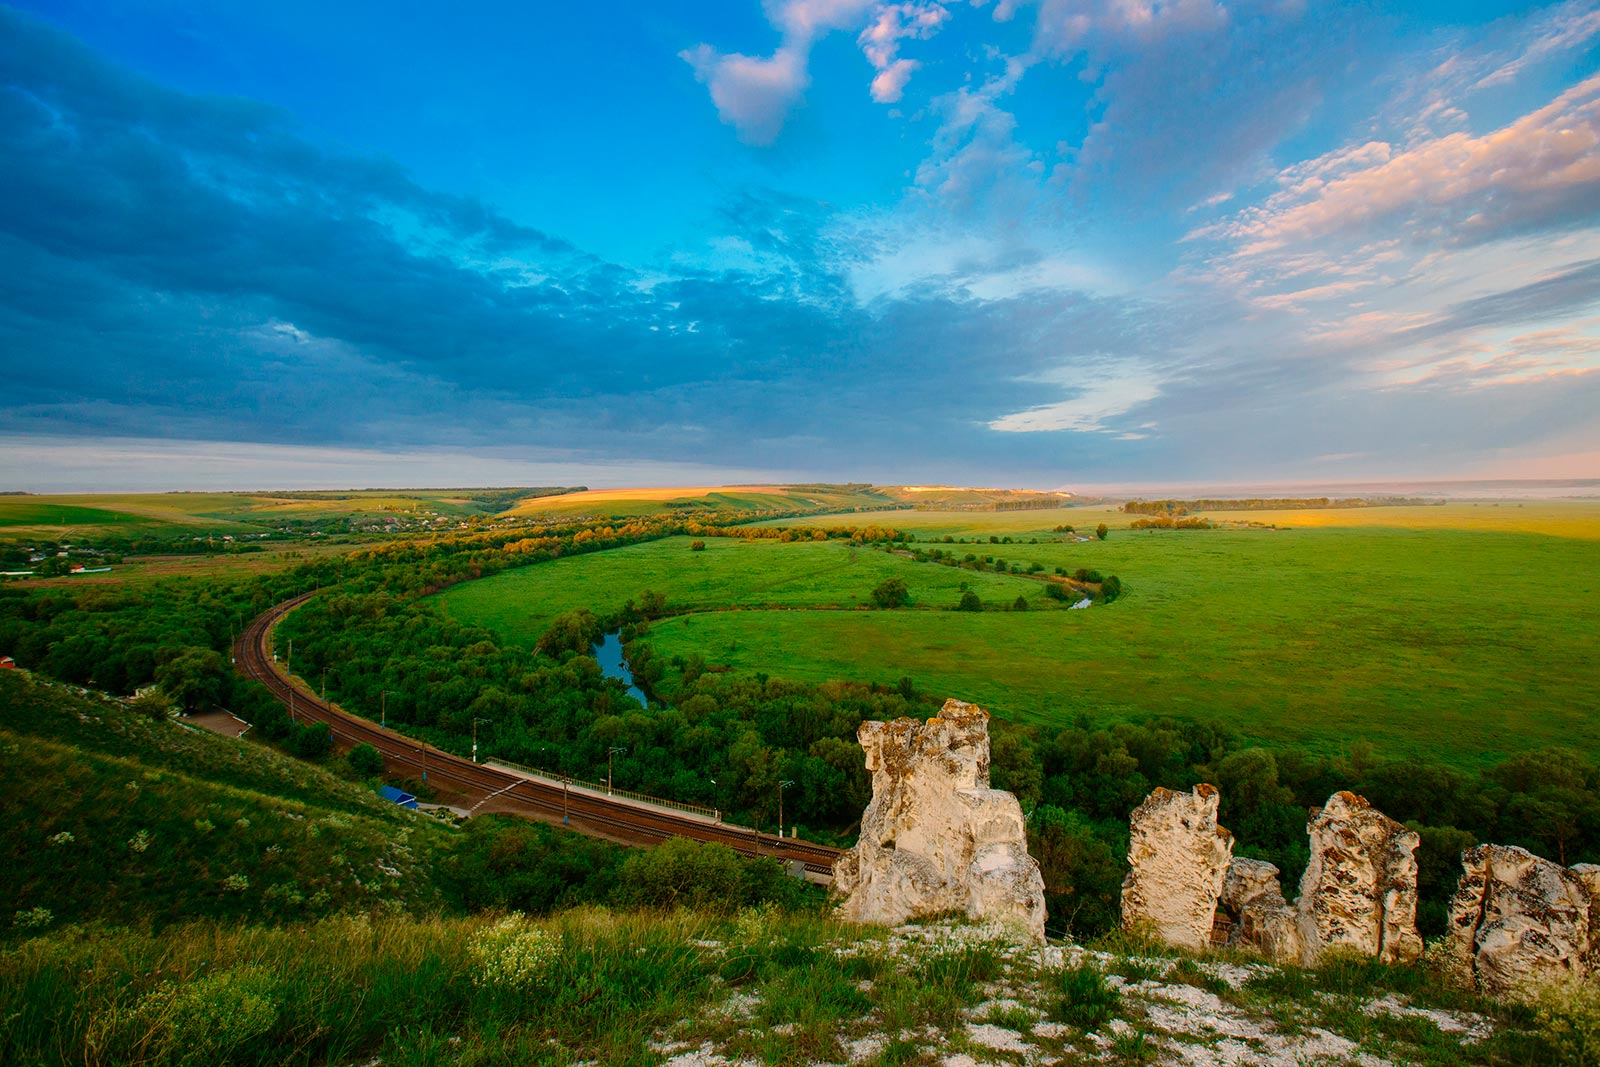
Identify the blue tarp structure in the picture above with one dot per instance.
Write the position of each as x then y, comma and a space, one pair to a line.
405, 800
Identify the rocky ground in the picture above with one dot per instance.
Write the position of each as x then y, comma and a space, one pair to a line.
960, 996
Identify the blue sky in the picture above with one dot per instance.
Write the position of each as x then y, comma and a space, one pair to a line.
1043, 243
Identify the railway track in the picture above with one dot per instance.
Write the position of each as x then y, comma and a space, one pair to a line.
608, 817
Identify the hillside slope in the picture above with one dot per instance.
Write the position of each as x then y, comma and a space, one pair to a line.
113, 816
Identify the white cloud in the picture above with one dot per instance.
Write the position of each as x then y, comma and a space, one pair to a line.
1104, 391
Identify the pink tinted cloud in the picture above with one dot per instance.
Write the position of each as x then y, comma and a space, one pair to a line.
751, 94
1541, 169
755, 94
880, 43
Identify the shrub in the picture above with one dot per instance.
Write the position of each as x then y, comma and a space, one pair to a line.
969, 602
1020, 604
891, 593
1569, 1022
208, 1019
1101, 531
514, 956
697, 546
365, 759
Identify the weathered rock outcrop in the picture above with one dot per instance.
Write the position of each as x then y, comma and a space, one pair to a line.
1360, 888
1177, 859
935, 838
1589, 875
1518, 922
1253, 898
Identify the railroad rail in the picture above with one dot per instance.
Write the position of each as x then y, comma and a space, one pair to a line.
609, 817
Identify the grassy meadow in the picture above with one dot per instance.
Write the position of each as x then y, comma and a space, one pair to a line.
728, 574
1463, 639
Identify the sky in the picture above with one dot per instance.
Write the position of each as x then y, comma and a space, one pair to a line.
1001, 242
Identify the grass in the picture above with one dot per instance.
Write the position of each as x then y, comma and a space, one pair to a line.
728, 573
631, 988
113, 816
1460, 644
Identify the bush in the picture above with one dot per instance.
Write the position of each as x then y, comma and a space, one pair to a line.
969, 602
210, 1018
1569, 1022
514, 956
1101, 531
697, 546
310, 741
712, 877
1020, 604
891, 593
365, 760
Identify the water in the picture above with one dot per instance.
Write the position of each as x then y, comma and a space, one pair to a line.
1080, 605
608, 653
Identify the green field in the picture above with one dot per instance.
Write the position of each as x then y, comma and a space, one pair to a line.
1461, 643
822, 576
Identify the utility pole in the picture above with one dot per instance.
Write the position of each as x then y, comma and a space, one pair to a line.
324, 685
475, 722
384, 709
423, 748
609, 757
780, 806
565, 780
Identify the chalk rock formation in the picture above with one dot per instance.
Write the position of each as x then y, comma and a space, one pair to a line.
1253, 898
1360, 888
1589, 875
1177, 859
935, 838
1518, 922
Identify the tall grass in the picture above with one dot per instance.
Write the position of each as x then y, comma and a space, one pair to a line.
212, 993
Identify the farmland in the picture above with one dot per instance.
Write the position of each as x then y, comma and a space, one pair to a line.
1462, 631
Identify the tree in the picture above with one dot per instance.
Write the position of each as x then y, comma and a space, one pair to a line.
1020, 604
152, 702
1101, 531
969, 602
193, 677
891, 593
571, 631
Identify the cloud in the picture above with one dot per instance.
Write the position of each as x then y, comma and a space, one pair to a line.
1104, 392
753, 94
1538, 171
880, 43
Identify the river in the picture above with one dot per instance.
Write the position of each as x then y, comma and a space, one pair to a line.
608, 653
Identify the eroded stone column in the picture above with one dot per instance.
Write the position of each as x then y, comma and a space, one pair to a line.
1360, 888
936, 838
1177, 859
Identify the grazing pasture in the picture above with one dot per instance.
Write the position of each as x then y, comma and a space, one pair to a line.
1465, 639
